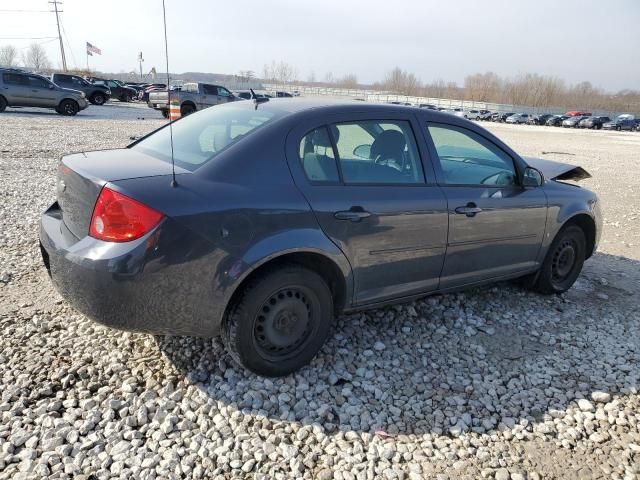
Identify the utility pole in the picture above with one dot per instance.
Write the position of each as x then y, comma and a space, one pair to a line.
55, 6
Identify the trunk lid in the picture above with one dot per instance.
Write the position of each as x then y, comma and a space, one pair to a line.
81, 176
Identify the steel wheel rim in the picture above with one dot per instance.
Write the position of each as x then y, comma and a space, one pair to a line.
564, 259
285, 323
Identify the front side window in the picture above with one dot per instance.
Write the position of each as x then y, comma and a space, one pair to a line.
223, 92
467, 158
112, 84
37, 82
378, 152
317, 157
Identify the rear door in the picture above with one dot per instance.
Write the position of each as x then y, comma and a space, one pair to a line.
496, 226
366, 183
209, 96
16, 88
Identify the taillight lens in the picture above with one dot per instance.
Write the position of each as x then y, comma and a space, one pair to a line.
118, 218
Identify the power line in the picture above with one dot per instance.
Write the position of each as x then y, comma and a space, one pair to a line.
26, 38
24, 11
64, 32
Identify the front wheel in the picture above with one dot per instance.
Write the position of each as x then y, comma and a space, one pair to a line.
280, 321
186, 110
98, 99
563, 263
68, 108
3, 104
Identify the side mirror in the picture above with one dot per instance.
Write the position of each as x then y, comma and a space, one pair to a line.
532, 177
362, 151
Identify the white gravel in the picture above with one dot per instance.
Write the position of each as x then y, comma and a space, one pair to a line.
492, 383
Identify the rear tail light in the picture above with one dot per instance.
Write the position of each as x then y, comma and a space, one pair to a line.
118, 218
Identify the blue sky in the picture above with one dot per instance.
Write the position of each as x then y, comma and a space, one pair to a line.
576, 40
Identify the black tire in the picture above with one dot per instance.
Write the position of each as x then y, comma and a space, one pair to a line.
129, 97
280, 321
165, 113
187, 109
563, 263
3, 104
98, 98
68, 108
619, 128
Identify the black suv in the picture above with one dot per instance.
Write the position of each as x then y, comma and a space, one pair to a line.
118, 89
96, 94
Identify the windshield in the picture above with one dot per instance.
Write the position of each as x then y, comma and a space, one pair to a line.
200, 137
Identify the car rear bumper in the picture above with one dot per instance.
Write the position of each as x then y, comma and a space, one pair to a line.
158, 105
132, 285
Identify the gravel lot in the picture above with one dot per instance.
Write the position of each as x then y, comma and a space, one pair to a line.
491, 383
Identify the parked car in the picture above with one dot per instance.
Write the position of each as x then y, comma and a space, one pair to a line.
191, 97
19, 88
118, 89
637, 124
518, 118
556, 120
622, 122
428, 105
473, 114
153, 87
578, 113
594, 122
246, 94
540, 119
268, 260
280, 94
501, 117
485, 115
572, 122
96, 94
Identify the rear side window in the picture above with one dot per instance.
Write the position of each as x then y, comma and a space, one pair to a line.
210, 90
378, 152
37, 82
317, 157
466, 158
15, 79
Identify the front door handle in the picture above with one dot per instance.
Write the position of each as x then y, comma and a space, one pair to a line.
469, 210
355, 214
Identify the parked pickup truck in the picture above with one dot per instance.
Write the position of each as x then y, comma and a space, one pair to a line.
192, 97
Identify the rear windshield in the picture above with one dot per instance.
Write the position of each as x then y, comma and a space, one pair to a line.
200, 137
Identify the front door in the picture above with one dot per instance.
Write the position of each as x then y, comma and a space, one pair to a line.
365, 181
496, 226
43, 92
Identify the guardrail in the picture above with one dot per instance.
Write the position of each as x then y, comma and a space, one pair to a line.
377, 96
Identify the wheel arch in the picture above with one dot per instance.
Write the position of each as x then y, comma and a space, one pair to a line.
588, 225
338, 281
190, 103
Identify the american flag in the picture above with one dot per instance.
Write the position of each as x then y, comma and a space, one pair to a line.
91, 49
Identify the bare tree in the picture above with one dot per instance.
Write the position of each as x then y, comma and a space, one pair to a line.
348, 81
36, 57
399, 81
8, 55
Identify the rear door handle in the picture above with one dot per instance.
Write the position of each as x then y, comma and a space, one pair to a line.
355, 214
470, 210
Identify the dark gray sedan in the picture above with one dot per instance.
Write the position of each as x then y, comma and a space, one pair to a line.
285, 214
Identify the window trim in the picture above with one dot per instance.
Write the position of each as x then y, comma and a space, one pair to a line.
422, 183
321, 183
438, 166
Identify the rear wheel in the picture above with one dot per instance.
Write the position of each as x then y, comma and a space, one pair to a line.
3, 104
187, 110
98, 98
563, 263
68, 108
280, 321
165, 113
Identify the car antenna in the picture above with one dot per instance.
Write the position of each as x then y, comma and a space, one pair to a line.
166, 54
258, 100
